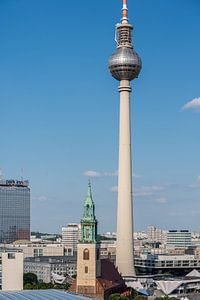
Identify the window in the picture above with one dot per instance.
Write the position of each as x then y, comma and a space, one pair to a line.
98, 254
11, 255
86, 254
86, 269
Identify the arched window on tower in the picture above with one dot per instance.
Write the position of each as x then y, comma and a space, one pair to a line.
86, 254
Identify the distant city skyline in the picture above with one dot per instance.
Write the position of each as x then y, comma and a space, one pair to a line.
57, 134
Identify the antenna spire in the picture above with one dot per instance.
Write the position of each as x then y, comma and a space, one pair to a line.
124, 12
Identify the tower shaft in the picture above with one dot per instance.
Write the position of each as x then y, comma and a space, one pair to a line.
125, 65
124, 250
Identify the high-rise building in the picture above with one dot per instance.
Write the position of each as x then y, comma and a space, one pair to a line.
125, 65
71, 235
14, 211
179, 238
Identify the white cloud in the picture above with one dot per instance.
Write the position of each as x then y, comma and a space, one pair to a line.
137, 176
193, 104
114, 189
195, 212
92, 173
177, 214
161, 200
147, 190
111, 174
143, 191
41, 198
196, 184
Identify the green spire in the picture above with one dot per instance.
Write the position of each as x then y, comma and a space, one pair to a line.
89, 207
89, 193
89, 222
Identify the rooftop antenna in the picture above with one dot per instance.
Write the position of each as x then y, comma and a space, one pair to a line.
124, 12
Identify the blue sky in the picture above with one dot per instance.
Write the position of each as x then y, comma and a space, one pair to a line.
59, 109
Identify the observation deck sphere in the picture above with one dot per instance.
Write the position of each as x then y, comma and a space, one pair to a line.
125, 64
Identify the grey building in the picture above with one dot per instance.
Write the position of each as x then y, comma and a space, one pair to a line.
14, 211
44, 266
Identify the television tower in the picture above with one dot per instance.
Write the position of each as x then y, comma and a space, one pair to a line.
125, 65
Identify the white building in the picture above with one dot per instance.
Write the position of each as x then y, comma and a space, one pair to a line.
156, 235
179, 238
140, 235
71, 235
11, 271
41, 249
164, 261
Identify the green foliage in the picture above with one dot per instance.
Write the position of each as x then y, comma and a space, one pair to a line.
139, 297
117, 297
44, 286
166, 298
30, 278
28, 286
31, 283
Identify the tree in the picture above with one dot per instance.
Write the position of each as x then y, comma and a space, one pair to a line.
30, 278
166, 298
139, 297
117, 297
28, 286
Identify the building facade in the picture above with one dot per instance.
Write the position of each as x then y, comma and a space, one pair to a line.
179, 238
11, 271
71, 235
42, 249
14, 211
44, 266
156, 235
162, 263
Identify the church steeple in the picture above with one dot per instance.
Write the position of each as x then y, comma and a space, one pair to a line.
89, 207
89, 222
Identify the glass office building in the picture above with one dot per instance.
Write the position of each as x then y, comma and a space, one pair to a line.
14, 211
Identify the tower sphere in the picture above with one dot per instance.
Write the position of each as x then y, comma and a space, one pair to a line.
125, 64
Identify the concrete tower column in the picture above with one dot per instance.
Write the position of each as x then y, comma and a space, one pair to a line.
125, 65
124, 250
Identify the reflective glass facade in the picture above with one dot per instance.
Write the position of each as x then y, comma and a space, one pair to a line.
14, 211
